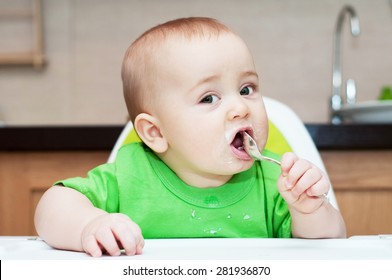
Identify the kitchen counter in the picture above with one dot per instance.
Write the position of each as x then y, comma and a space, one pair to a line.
325, 136
351, 136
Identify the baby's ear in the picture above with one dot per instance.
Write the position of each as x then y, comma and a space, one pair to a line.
147, 127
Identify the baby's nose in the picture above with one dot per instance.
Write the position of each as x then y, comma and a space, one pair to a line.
238, 109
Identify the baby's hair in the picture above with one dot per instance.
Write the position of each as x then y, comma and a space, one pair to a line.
138, 68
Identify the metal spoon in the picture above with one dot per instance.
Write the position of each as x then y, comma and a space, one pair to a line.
251, 148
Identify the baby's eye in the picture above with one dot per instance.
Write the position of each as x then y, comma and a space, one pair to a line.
246, 90
210, 99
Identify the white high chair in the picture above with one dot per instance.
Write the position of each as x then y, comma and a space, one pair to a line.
285, 126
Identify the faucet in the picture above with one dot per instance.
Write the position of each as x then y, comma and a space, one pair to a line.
336, 99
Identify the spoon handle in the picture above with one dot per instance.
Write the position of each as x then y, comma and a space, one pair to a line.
270, 159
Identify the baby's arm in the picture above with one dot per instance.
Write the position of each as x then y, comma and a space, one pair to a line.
66, 219
302, 185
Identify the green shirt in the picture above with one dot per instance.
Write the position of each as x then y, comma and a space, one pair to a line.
143, 187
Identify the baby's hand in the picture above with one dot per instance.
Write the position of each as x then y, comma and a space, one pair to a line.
110, 233
300, 184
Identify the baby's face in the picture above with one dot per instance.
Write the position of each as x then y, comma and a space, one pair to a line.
209, 95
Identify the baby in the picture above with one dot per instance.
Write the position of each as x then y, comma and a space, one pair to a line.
192, 90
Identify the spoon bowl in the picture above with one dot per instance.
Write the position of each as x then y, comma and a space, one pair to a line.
251, 148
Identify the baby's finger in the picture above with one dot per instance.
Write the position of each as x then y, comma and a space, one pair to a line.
127, 238
297, 171
287, 162
286, 192
135, 247
106, 238
320, 188
138, 239
90, 246
140, 246
307, 180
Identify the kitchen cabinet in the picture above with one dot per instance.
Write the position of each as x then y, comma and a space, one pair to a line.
24, 177
362, 181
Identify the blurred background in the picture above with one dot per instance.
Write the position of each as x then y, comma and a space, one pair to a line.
84, 42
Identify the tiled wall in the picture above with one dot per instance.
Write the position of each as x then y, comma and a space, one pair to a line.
292, 42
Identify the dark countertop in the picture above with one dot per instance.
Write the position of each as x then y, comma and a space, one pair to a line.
351, 136
47, 138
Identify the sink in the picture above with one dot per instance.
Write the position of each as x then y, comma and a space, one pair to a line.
377, 111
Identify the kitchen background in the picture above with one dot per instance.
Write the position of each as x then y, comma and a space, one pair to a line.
85, 40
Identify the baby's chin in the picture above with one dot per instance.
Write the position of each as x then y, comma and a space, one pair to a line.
234, 165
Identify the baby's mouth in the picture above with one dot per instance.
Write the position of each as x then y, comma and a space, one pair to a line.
238, 144
238, 141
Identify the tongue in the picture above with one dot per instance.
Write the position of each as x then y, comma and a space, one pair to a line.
237, 142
